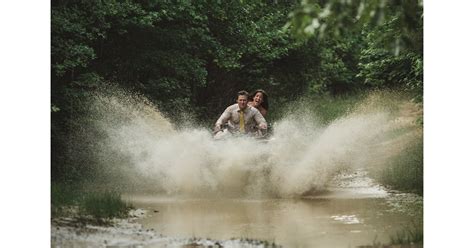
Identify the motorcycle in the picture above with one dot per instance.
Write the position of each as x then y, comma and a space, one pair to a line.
226, 132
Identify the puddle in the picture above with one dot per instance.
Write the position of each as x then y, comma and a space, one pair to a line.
354, 211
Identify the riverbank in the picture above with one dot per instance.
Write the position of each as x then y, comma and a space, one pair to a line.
127, 232
80, 231
76, 231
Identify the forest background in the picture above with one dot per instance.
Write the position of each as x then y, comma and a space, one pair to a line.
192, 56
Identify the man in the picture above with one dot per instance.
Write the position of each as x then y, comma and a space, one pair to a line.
240, 117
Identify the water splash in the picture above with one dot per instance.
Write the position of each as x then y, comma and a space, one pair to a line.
149, 154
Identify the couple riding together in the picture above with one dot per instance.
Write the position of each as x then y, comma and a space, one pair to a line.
244, 117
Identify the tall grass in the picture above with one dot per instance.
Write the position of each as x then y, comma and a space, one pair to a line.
410, 237
104, 204
405, 171
63, 197
64, 194
407, 236
324, 108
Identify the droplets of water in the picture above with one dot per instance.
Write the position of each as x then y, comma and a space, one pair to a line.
301, 158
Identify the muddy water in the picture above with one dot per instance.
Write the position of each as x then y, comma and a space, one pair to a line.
353, 211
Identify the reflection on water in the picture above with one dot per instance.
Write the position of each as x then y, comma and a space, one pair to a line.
317, 222
347, 219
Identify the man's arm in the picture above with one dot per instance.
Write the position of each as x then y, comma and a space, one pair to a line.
262, 123
223, 119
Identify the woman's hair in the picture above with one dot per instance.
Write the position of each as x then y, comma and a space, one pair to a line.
264, 104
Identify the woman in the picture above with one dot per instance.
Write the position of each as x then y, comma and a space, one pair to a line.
259, 100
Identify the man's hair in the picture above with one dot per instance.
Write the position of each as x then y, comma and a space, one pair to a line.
243, 93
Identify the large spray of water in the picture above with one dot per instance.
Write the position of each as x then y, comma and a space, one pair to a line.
300, 159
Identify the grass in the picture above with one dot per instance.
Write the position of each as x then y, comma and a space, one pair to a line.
67, 200
63, 198
405, 171
407, 236
104, 205
325, 108
62, 195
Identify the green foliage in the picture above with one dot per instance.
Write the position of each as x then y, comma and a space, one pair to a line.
391, 54
336, 17
304, 20
381, 68
78, 26
338, 66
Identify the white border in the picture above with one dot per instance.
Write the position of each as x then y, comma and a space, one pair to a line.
448, 123
25, 123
